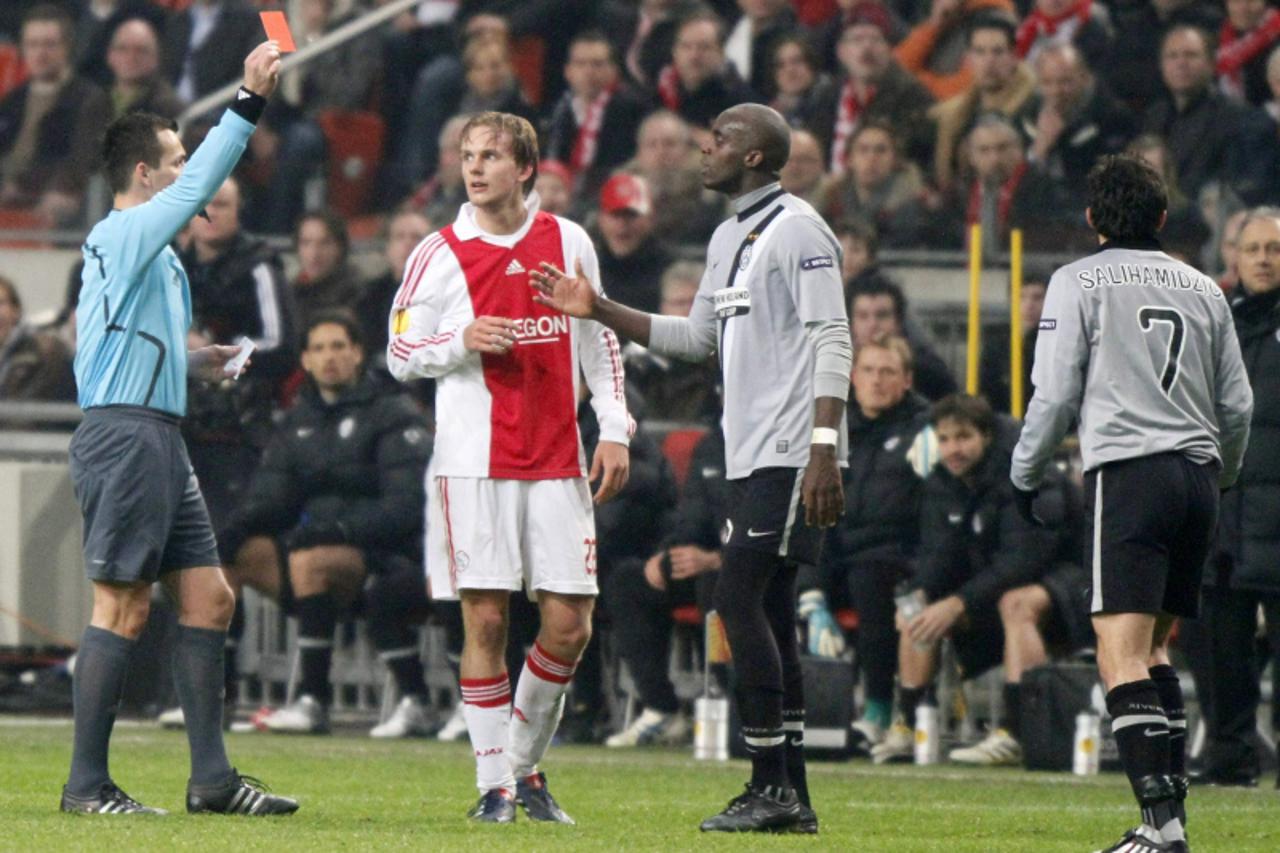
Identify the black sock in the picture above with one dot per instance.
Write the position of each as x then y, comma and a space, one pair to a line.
317, 618
230, 662
1012, 721
1142, 736
908, 699
1170, 690
197, 665
793, 727
406, 669
761, 712
101, 664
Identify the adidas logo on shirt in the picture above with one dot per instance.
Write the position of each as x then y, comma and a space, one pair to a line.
514, 268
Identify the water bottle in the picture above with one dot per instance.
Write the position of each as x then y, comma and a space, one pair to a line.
1084, 756
711, 728
928, 746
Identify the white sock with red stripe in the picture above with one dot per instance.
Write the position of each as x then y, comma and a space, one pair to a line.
539, 702
487, 710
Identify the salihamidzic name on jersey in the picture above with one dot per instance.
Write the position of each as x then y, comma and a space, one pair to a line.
1141, 275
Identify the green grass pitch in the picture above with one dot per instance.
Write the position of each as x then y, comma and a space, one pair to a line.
359, 794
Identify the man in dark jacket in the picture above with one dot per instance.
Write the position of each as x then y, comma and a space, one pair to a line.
1244, 571
869, 551
593, 126
632, 259
878, 307
338, 498
681, 572
1001, 587
699, 84
204, 45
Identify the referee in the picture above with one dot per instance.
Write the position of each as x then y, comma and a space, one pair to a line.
1142, 349
144, 517
771, 304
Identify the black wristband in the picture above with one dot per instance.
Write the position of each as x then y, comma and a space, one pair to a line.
248, 105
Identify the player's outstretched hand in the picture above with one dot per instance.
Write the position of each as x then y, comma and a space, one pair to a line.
555, 289
207, 363
494, 335
821, 490
611, 465
262, 69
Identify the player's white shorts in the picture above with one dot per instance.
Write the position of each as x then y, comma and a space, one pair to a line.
510, 534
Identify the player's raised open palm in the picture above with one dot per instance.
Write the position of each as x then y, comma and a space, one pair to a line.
574, 296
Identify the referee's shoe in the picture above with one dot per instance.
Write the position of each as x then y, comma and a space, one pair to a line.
767, 809
240, 794
110, 800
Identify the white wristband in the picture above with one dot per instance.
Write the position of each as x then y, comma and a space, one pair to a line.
825, 435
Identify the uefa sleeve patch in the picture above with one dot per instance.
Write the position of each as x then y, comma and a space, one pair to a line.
817, 263
1048, 325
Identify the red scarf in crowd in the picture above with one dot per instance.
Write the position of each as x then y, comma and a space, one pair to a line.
1237, 49
1039, 25
669, 88
1004, 200
584, 146
851, 110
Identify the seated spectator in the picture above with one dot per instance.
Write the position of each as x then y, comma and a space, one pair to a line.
134, 62
935, 50
593, 126
643, 33
1001, 84
325, 278
343, 78
1000, 587
681, 572
554, 186
338, 500
1006, 192
874, 87
805, 171
879, 186
799, 89
699, 84
1081, 24
205, 45
674, 389
683, 210
49, 125
994, 372
1248, 34
441, 197
750, 43
859, 249
1071, 120
33, 365
491, 82
632, 260
95, 29
405, 230
826, 35
1133, 71
238, 289
1212, 137
1183, 217
878, 309
870, 549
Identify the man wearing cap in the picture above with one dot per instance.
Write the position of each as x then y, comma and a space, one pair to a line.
631, 257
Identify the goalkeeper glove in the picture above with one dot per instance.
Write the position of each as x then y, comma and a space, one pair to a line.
826, 640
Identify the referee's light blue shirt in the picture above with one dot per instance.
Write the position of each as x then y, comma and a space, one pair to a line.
135, 302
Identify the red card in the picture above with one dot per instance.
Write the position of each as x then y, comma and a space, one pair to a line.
278, 29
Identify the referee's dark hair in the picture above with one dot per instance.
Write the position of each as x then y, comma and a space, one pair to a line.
335, 317
130, 140
967, 409
1127, 198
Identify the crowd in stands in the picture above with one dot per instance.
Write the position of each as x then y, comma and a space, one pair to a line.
912, 121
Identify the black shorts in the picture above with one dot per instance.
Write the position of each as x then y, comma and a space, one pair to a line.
1149, 523
765, 514
142, 507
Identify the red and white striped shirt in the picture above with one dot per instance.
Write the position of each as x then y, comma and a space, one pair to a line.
512, 416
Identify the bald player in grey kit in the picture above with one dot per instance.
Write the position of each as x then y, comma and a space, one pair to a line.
1142, 349
771, 305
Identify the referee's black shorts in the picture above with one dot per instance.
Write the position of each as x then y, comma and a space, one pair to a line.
142, 507
1149, 524
766, 514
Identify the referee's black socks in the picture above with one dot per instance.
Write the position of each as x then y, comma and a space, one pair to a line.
96, 686
197, 673
1141, 729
